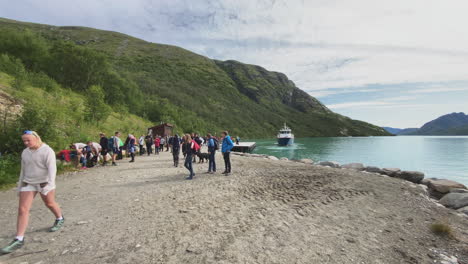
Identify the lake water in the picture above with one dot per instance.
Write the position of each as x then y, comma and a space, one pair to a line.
440, 157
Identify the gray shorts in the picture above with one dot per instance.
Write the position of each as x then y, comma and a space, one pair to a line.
28, 187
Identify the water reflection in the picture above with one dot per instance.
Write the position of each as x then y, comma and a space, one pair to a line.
442, 157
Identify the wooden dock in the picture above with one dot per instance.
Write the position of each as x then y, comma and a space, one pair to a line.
244, 147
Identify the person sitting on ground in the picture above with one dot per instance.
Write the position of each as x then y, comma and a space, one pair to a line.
38, 172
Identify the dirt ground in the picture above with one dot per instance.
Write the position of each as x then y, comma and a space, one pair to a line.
265, 212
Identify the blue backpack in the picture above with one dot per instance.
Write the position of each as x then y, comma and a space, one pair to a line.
110, 143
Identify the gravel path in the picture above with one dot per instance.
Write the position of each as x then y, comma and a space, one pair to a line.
264, 212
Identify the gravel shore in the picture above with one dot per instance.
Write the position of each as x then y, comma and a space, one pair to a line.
265, 212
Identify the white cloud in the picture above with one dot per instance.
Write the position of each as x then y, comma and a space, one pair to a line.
329, 48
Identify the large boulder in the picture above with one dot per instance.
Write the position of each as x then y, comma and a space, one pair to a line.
273, 158
463, 210
455, 200
412, 176
332, 164
426, 181
373, 169
444, 186
354, 166
390, 171
306, 161
457, 190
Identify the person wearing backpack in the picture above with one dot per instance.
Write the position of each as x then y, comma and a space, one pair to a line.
104, 142
191, 147
226, 150
212, 147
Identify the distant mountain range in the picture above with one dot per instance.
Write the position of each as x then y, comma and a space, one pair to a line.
447, 125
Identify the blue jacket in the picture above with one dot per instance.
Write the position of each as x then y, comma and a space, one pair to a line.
227, 144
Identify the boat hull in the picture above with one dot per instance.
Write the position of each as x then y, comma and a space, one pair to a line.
285, 141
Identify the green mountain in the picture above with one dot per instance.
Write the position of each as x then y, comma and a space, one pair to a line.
167, 83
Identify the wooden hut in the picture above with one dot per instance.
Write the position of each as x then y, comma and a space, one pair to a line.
164, 129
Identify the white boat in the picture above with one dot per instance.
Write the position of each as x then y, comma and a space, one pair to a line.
285, 137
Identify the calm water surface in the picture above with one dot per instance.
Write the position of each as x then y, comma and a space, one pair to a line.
440, 157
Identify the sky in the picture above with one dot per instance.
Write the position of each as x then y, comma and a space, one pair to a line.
398, 63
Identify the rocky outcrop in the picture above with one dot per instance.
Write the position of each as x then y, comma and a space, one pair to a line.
306, 161
273, 158
332, 164
354, 166
455, 200
444, 186
463, 210
457, 190
390, 171
374, 169
412, 176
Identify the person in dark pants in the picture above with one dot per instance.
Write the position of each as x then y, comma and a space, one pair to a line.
211, 150
141, 142
175, 149
189, 150
226, 150
149, 144
104, 142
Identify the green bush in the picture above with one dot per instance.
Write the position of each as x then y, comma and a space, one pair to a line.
10, 167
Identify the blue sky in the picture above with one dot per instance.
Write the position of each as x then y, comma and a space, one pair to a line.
396, 63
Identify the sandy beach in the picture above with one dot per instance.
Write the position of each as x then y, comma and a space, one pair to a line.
266, 211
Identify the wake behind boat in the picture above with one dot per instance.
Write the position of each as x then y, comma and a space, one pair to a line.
285, 137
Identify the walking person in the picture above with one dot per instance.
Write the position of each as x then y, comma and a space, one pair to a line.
212, 147
149, 144
175, 149
157, 143
38, 171
191, 148
115, 147
131, 146
226, 150
141, 142
162, 141
104, 142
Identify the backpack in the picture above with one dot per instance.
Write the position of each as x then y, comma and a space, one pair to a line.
110, 143
195, 147
216, 144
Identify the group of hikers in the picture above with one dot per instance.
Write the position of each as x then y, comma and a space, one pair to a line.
38, 166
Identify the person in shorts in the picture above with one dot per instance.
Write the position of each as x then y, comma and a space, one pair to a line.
38, 171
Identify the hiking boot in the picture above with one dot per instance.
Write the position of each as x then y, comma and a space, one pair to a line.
57, 225
14, 245
189, 178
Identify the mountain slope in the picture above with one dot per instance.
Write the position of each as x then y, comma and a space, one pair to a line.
400, 131
167, 83
442, 125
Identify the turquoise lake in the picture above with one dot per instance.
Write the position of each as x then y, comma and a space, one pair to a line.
440, 157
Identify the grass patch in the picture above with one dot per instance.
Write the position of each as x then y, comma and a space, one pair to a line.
442, 229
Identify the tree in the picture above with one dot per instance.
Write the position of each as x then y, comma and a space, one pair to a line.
97, 109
